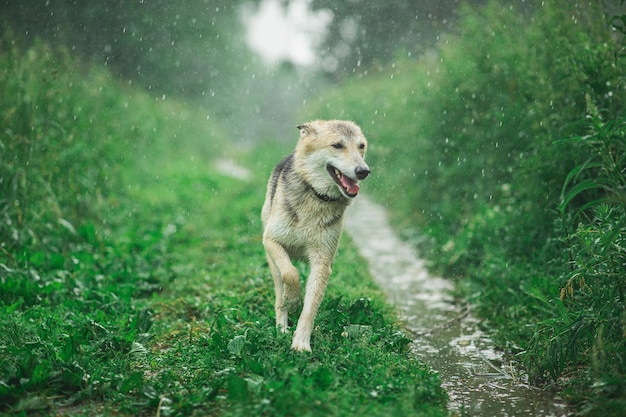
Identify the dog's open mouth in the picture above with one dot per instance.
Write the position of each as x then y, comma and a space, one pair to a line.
349, 186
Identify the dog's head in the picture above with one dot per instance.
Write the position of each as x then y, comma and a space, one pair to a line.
332, 156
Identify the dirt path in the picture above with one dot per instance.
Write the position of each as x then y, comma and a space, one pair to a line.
445, 337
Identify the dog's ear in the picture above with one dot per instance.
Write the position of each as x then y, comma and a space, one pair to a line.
306, 129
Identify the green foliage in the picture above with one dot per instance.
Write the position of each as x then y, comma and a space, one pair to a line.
66, 293
506, 147
60, 162
589, 327
600, 178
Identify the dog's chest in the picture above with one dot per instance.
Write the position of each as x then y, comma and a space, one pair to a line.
303, 224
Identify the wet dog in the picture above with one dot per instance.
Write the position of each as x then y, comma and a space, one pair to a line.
307, 195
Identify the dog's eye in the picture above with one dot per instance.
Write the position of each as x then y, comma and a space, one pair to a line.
337, 145
362, 146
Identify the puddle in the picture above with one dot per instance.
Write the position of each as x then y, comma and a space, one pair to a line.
445, 336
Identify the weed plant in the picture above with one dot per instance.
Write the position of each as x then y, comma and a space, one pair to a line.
132, 275
505, 147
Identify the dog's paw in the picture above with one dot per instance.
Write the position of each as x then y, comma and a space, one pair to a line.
292, 304
291, 298
300, 346
301, 340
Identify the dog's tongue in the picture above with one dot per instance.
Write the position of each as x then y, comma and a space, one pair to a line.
351, 186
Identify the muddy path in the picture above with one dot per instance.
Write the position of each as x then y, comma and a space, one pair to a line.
445, 336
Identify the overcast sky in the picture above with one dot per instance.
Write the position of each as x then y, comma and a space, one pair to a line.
289, 33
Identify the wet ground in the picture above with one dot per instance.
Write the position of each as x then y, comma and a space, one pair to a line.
445, 336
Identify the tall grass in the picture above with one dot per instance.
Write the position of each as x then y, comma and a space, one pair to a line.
68, 130
505, 146
71, 136
588, 324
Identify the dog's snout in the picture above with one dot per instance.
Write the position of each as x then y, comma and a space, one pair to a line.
362, 172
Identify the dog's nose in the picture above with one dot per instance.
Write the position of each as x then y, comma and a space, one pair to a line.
361, 172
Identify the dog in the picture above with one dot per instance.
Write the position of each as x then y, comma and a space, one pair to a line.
307, 195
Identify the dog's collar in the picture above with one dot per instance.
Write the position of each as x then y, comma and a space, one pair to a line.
325, 198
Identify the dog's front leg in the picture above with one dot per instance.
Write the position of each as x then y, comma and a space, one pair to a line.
315, 288
279, 305
286, 281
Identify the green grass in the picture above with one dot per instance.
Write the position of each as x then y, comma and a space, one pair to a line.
132, 275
